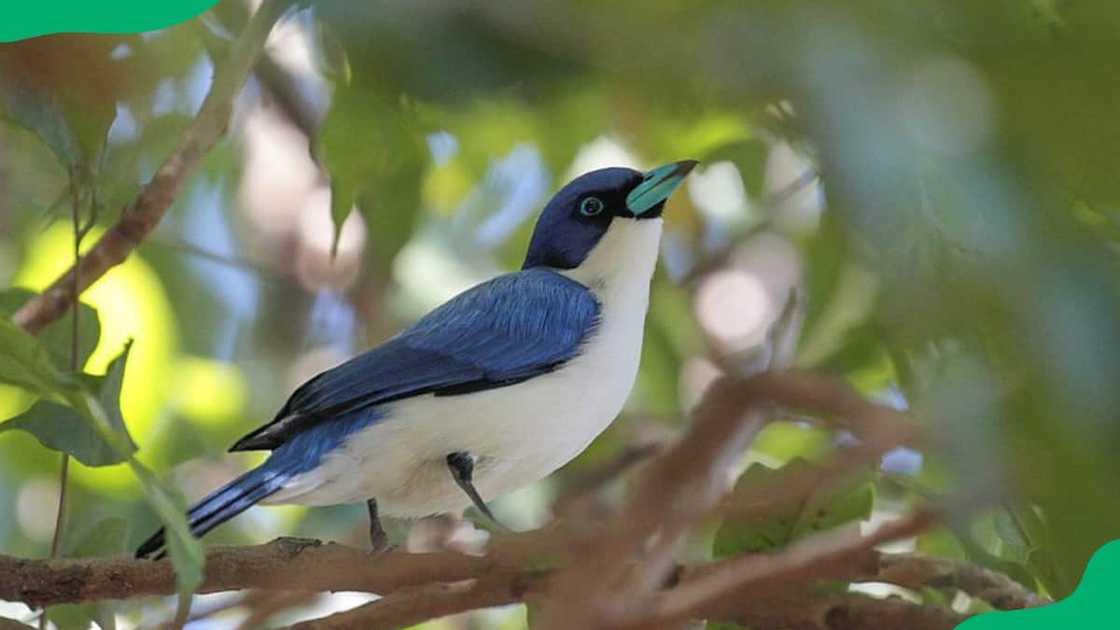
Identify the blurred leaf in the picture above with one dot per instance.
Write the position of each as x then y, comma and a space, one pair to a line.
69, 430
63, 88
105, 538
826, 254
375, 156
333, 60
786, 441
941, 542
826, 507
1015, 564
187, 553
56, 336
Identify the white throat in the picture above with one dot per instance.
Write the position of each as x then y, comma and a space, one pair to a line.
622, 261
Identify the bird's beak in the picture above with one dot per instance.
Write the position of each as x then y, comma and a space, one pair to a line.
656, 187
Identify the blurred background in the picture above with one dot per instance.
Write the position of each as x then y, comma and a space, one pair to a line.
935, 180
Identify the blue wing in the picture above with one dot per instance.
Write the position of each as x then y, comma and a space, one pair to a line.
501, 332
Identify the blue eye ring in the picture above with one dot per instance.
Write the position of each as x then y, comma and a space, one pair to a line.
591, 206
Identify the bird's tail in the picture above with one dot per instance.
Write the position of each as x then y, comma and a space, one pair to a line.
223, 504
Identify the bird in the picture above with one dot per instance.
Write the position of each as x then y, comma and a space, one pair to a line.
495, 389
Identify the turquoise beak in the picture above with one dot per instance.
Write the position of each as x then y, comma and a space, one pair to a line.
656, 187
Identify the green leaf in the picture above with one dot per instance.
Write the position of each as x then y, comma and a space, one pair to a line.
826, 507
97, 436
56, 336
185, 549
343, 197
1017, 565
73, 430
25, 362
826, 254
61, 89
40, 114
374, 150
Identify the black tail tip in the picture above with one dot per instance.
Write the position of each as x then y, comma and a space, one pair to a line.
152, 548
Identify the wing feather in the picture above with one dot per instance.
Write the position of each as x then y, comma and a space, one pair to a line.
505, 331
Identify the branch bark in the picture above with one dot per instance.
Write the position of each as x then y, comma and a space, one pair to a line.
286, 564
915, 571
848, 611
141, 216
424, 586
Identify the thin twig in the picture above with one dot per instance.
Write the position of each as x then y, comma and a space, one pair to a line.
75, 350
142, 215
243, 264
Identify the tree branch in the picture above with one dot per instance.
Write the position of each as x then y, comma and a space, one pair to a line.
916, 571
286, 564
846, 611
629, 563
424, 586
141, 216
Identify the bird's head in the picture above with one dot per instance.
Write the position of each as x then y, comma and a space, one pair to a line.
620, 201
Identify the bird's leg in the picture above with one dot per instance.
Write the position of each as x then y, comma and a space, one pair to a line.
378, 540
461, 465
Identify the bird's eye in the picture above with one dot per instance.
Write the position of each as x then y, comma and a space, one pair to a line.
591, 206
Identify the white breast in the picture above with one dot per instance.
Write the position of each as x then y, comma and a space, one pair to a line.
519, 434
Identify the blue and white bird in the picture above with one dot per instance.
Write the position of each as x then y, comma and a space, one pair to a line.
493, 390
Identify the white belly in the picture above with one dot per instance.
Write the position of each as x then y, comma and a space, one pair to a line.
518, 434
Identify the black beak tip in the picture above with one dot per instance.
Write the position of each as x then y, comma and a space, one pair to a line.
684, 167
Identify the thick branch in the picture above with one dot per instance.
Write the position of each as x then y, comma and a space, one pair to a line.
145, 212
425, 586
287, 563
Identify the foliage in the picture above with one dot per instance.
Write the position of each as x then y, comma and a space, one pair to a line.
826, 507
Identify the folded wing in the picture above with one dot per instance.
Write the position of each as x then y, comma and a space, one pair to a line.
505, 331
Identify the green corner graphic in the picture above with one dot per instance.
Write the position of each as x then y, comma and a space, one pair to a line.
1095, 604
31, 18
